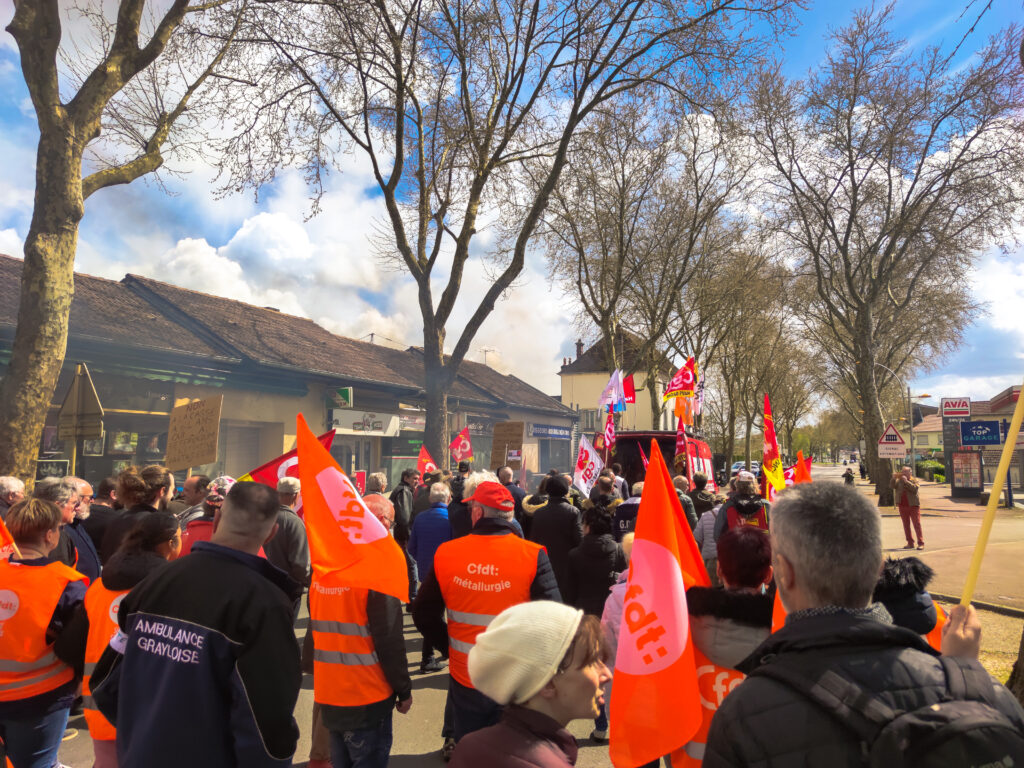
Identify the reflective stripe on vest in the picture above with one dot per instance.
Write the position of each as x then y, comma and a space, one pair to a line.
101, 606
28, 666
340, 628
346, 668
480, 576
28, 597
340, 657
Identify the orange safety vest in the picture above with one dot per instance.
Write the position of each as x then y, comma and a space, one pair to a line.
480, 576
346, 670
28, 597
714, 683
101, 606
934, 638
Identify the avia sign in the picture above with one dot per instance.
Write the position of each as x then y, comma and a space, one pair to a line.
955, 407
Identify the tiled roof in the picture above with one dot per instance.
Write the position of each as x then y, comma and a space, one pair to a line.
145, 313
273, 338
509, 389
593, 359
930, 423
106, 311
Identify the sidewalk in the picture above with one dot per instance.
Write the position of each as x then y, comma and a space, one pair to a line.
936, 502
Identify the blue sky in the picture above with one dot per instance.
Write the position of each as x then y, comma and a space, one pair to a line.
267, 253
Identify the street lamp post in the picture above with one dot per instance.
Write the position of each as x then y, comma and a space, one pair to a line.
910, 415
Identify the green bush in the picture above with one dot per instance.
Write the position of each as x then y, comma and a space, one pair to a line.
931, 464
939, 478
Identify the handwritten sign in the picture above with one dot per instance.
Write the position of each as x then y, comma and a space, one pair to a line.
192, 433
507, 440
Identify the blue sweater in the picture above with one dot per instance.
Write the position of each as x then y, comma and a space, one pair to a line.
430, 530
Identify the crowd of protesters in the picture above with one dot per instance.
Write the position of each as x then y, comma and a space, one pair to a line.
169, 620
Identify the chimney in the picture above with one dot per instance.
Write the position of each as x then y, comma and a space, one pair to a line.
579, 347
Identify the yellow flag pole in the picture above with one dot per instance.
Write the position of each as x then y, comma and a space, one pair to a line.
993, 501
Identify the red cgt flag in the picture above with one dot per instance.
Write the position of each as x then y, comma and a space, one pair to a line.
461, 448
285, 465
655, 707
345, 539
424, 463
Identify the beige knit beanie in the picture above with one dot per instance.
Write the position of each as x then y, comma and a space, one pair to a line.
521, 649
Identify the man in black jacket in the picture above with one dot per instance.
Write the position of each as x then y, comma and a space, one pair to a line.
827, 553
556, 527
402, 498
210, 671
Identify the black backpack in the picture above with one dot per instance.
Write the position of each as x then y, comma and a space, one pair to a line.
965, 729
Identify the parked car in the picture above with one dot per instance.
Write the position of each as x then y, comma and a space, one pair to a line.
755, 467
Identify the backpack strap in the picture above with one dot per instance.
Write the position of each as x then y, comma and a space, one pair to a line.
966, 679
852, 705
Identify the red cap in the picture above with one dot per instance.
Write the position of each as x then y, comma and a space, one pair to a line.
493, 495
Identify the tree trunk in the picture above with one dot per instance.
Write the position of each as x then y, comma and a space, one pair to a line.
746, 440
873, 416
652, 390
1016, 681
436, 383
47, 287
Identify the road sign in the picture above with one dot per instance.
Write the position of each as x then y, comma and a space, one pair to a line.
81, 415
955, 406
891, 444
979, 433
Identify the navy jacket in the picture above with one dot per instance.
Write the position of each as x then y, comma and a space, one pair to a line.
88, 559
430, 530
210, 670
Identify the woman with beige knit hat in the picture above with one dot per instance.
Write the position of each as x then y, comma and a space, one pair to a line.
558, 679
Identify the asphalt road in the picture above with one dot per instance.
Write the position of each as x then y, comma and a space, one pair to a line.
949, 543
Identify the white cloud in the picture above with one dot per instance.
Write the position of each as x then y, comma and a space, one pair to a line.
10, 243
999, 280
955, 385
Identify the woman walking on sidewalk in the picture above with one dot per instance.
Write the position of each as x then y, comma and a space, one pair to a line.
905, 489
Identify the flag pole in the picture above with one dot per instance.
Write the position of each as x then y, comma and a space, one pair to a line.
993, 501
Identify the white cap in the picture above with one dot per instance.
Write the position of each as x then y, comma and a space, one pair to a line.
521, 649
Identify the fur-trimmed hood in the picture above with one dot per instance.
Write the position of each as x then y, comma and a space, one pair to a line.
902, 574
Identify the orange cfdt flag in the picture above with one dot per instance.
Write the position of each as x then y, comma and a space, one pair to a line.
345, 539
802, 469
655, 705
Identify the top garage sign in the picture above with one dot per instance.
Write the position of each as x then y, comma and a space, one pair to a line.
956, 406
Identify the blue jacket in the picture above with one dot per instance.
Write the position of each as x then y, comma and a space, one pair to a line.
210, 672
88, 559
430, 530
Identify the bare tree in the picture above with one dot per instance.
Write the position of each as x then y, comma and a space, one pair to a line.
641, 206
454, 104
887, 174
99, 126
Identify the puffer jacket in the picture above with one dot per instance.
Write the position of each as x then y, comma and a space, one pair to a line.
524, 738
704, 533
593, 567
902, 589
727, 625
765, 723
